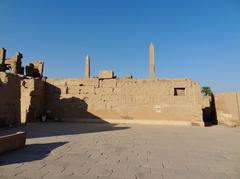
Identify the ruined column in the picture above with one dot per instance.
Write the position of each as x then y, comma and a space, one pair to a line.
151, 62
2, 55
2, 59
87, 67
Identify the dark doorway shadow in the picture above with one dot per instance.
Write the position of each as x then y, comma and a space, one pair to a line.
210, 114
29, 153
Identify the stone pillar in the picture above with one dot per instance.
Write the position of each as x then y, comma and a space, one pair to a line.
87, 67
2, 55
151, 62
2, 59
18, 67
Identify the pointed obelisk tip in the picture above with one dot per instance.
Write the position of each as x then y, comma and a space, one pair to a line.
151, 44
87, 56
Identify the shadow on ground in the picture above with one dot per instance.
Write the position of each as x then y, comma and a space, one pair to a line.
29, 153
50, 129
33, 152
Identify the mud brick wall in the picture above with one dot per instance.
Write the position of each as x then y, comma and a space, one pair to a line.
165, 99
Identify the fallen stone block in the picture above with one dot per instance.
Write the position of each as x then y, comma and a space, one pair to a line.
12, 142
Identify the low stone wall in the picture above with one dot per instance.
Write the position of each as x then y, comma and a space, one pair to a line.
228, 108
127, 99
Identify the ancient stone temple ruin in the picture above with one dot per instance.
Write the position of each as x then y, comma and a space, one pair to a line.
27, 96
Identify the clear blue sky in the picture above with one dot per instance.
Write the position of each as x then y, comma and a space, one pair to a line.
198, 39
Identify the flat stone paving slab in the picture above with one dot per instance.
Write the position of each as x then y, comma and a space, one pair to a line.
76, 150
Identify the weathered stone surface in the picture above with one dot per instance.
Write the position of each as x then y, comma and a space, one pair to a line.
111, 83
106, 74
228, 108
35, 69
2, 59
151, 62
87, 67
137, 99
130, 151
22, 99
13, 64
12, 142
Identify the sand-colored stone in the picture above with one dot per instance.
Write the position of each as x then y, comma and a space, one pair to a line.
151, 62
87, 67
130, 99
22, 99
166, 101
228, 108
14, 64
106, 74
35, 69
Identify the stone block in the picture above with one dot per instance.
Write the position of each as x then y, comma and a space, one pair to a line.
101, 91
57, 82
62, 89
90, 82
12, 142
87, 90
108, 97
106, 74
109, 83
117, 90
73, 89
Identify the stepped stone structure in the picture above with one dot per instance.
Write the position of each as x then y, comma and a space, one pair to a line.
28, 97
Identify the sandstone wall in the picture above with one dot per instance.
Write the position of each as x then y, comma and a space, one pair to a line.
32, 99
227, 108
9, 99
21, 100
165, 99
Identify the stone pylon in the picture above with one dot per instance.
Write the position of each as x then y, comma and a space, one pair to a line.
151, 62
87, 67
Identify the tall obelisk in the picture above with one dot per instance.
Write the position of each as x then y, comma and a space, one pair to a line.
87, 67
151, 62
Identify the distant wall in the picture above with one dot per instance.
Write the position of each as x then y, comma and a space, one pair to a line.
165, 99
21, 99
228, 108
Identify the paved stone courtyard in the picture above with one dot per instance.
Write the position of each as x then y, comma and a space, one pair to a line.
76, 150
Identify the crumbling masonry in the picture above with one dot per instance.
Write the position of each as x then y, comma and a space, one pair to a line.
27, 96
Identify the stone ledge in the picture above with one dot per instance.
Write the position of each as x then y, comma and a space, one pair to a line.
12, 141
135, 121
